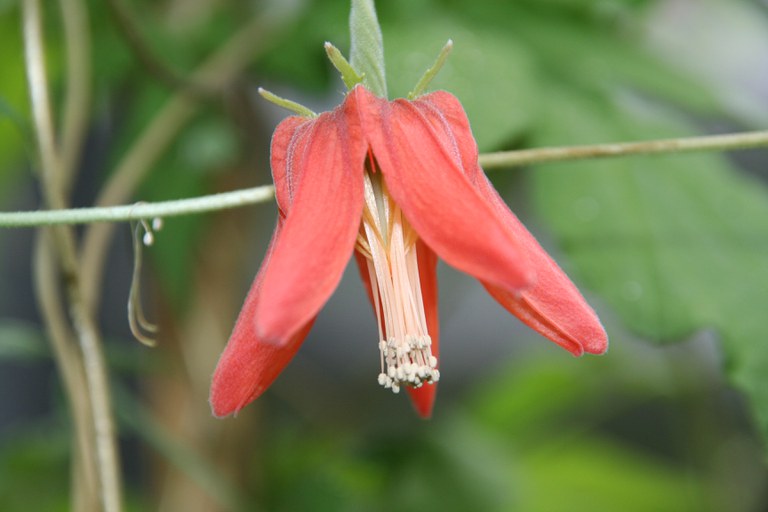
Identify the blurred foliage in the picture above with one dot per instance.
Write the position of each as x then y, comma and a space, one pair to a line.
672, 245
539, 435
36, 455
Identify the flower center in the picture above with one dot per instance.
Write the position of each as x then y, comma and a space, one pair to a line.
388, 243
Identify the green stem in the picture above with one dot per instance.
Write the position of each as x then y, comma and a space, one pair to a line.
726, 142
263, 193
138, 211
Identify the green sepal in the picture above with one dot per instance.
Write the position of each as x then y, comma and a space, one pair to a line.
349, 76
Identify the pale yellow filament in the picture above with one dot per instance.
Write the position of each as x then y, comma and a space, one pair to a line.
388, 243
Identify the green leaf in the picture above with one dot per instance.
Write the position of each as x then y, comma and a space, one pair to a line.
367, 52
605, 61
629, 431
675, 244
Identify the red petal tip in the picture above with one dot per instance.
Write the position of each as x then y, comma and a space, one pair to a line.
423, 399
597, 346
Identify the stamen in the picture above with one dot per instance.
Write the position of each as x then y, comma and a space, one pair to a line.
388, 243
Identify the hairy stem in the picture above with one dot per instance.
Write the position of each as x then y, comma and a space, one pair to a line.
139, 211
725, 142
490, 161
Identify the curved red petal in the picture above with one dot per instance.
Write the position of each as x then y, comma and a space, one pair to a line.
552, 306
423, 398
324, 165
446, 115
424, 175
290, 134
248, 365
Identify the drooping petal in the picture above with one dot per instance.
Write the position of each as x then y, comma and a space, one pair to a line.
424, 177
553, 306
423, 398
321, 195
248, 365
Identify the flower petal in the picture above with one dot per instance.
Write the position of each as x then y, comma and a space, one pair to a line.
423, 398
552, 306
319, 178
248, 365
290, 134
424, 176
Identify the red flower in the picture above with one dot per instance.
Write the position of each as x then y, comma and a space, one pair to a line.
399, 184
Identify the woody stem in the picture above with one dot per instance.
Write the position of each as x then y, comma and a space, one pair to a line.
83, 367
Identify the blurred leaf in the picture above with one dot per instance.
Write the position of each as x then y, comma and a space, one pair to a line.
314, 472
607, 59
134, 418
299, 57
523, 399
207, 146
204, 148
593, 475
488, 71
561, 431
675, 244
14, 132
34, 470
21, 341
